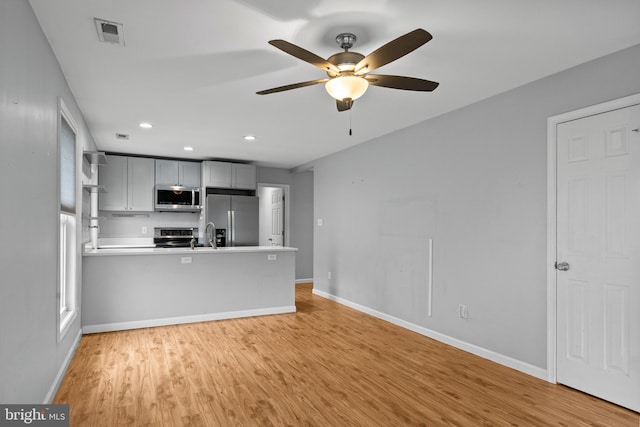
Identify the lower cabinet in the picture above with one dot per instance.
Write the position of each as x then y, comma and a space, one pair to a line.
129, 183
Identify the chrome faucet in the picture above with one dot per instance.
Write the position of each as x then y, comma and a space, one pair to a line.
212, 239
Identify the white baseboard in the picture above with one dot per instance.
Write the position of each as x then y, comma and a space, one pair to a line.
304, 280
454, 342
63, 369
120, 326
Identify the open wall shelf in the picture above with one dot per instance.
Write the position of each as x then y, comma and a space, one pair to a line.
95, 157
94, 188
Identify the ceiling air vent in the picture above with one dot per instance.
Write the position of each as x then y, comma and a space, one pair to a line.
122, 136
109, 32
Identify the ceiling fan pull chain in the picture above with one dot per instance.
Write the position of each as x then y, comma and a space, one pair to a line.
350, 132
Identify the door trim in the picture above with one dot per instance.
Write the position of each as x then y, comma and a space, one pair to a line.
552, 123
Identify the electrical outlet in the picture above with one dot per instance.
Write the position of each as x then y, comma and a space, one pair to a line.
463, 311
186, 260
144, 230
329, 275
272, 257
320, 222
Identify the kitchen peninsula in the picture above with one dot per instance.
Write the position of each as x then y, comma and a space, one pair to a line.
130, 288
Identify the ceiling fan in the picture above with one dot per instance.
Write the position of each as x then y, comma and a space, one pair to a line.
348, 71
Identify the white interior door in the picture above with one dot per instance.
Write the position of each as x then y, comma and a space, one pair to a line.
598, 237
277, 217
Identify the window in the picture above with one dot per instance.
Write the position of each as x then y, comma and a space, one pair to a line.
67, 254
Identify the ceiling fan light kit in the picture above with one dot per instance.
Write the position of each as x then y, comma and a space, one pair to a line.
347, 87
348, 71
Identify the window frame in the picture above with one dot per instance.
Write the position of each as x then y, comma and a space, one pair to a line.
68, 268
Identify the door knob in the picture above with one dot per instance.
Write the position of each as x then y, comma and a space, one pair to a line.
562, 266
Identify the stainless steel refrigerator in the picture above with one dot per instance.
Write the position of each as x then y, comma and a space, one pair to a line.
237, 216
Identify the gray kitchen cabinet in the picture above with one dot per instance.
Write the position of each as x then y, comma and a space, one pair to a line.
140, 185
177, 172
128, 182
228, 175
243, 176
189, 173
216, 174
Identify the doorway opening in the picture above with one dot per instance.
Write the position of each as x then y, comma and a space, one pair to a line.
273, 214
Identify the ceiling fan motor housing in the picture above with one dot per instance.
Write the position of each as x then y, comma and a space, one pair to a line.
345, 61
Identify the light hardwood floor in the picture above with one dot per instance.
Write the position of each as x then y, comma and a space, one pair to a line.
326, 365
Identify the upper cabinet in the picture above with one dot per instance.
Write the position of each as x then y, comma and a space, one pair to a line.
177, 172
243, 176
129, 183
216, 174
228, 175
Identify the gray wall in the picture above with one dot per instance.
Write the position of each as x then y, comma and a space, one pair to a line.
30, 83
474, 181
302, 223
273, 176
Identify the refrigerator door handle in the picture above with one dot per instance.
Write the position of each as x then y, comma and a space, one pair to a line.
229, 231
233, 226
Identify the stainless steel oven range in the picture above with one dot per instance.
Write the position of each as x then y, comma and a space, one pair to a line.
175, 237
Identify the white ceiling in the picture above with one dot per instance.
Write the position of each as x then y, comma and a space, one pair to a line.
192, 67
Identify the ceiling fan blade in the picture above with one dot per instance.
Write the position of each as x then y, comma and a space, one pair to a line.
345, 104
401, 82
393, 50
292, 86
304, 55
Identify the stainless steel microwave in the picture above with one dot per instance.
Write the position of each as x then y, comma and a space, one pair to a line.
171, 198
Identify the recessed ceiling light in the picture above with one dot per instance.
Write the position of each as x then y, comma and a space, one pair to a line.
188, 148
249, 138
145, 125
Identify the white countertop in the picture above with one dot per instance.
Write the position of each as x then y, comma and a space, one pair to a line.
183, 251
